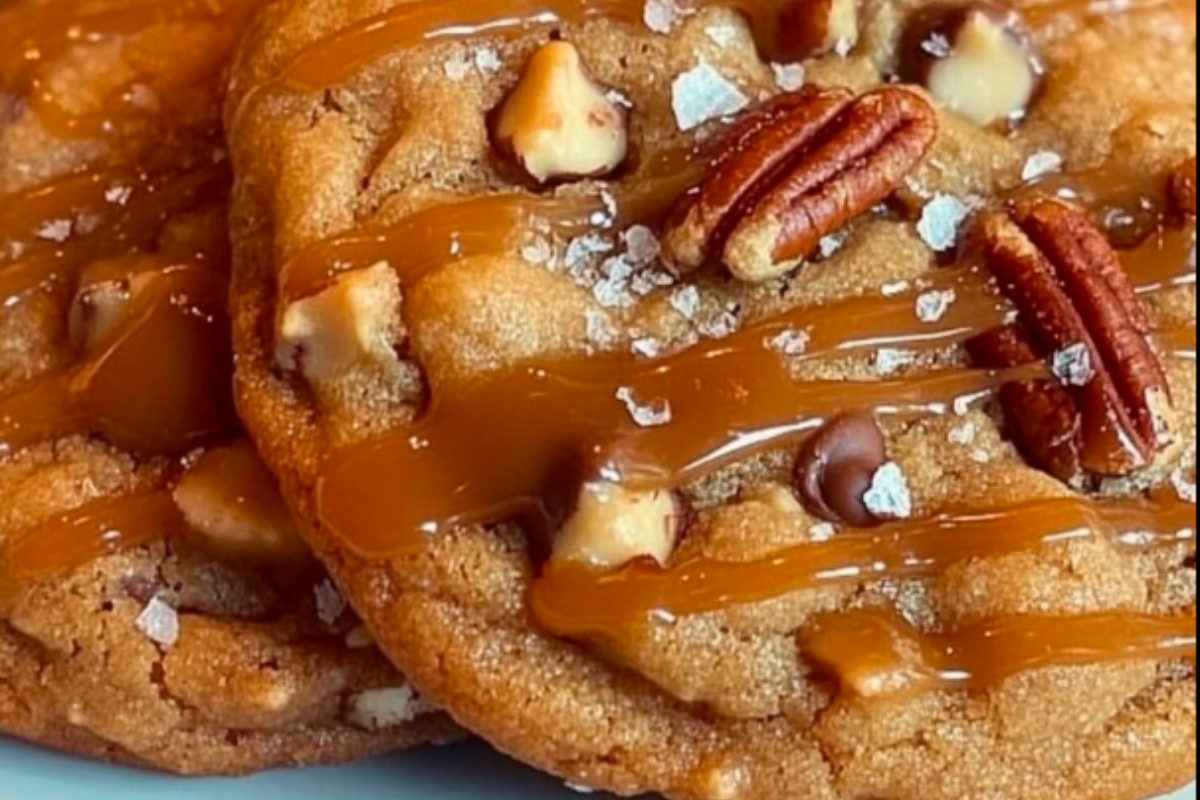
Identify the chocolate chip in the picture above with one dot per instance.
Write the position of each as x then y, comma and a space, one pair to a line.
977, 59
836, 466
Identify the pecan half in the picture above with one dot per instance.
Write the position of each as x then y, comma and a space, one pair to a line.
1111, 413
796, 170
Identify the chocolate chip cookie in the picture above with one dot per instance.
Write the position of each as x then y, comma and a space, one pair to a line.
743, 400
156, 605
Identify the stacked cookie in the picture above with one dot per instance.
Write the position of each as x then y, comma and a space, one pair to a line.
753, 399
156, 604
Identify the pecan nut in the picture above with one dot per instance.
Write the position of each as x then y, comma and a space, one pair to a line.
1111, 413
796, 170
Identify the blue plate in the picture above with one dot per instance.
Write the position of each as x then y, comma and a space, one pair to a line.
468, 772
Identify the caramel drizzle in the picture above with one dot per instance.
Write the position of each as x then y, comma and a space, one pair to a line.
32, 36
77, 537
728, 400
876, 653
172, 347
575, 601
49, 232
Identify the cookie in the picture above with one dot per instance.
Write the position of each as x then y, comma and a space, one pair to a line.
156, 604
776, 401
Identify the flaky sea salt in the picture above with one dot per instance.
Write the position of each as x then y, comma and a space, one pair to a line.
703, 94
822, 532
964, 435
686, 301
458, 66
722, 35
487, 59
1073, 365
118, 195
889, 361
159, 622
791, 342
941, 220
538, 252
600, 329
647, 347
56, 230
660, 16
583, 249
722, 325
789, 77
330, 602
1184, 488
1045, 162
831, 244
932, 306
889, 496
653, 414
895, 288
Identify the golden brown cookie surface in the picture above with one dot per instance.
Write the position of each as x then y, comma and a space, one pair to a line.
443, 330
156, 606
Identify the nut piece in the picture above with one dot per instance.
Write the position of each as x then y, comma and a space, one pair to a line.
809, 28
836, 467
1112, 416
351, 325
1183, 188
612, 526
975, 58
794, 171
558, 123
233, 505
381, 709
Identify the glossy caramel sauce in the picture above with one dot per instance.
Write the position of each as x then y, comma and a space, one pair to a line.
663, 422
69, 540
155, 91
877, 654
148, 327
572, 600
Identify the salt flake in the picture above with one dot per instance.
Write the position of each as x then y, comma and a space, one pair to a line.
660, 16
642, 245
889, 361
964, 435
1073, 365
647, 347
686, 301
1045, 162
789, 77
822, 532
487, 59
600, 329
941, 220
889, 496
330, 602
654, 414
703, 94
1184, 488
159, 622
792, 342
56, 230
932, 306
458, 67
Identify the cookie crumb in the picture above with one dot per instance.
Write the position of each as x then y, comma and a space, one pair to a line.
379, 709
941, 220
160, 623
1073, 365
889, 496
703, 94
642, 245
654, 414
